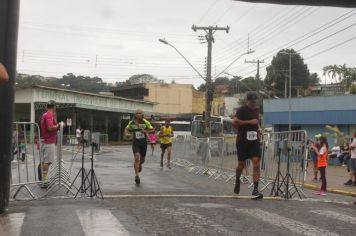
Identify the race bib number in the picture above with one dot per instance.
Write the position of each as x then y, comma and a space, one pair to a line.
251, 135
139, 135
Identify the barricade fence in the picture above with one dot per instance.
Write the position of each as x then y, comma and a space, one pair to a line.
216, 157
25, 159
27, 164
72, 140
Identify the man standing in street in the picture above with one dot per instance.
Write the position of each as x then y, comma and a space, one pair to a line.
138, 127
166, 134
49, 127
248, 141
78, 135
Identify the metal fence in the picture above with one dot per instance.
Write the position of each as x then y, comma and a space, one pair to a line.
216, 158
59, 175
27, 166
26, 159
72, 140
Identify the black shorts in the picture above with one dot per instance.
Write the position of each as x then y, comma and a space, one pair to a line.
140, 147
164, 146
247, 150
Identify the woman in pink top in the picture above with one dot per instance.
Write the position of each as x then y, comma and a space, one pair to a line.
153, 140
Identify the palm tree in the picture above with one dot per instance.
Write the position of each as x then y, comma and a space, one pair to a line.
341, 73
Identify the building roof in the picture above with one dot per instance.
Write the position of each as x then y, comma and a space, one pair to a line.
311, 110
86, 93
127, 86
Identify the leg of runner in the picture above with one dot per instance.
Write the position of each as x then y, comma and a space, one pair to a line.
169, 154
256, 175
162, 154
143, 151
240, 167
136, 167
152, 148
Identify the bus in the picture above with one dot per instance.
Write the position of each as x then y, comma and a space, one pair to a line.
180, 128
220, 126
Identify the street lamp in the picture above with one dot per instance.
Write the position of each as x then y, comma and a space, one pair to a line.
266, 94
290, 88
223, 71
239, 80
246, 86
164, 41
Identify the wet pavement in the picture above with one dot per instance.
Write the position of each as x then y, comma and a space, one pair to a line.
171, 202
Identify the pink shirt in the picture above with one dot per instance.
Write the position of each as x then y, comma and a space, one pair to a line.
48, 119
152, 137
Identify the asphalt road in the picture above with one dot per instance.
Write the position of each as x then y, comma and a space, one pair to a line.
172, 202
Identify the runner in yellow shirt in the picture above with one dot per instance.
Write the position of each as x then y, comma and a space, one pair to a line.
166, 134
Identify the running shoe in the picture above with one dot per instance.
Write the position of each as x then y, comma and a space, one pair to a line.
348, 183
256, 194
237, 186
323, 193
169, 166
137, 179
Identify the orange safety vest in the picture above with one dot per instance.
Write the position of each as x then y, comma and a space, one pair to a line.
323, 159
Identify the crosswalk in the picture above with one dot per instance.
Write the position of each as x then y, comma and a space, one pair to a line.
104, 222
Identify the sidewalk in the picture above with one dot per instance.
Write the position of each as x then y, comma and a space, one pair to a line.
336, 176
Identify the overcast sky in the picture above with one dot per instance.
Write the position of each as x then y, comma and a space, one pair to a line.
114, 39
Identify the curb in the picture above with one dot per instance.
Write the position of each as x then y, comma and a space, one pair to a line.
331, 190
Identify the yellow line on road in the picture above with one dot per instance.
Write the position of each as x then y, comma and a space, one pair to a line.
185, 196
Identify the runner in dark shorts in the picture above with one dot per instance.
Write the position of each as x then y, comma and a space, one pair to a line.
166, 134
248, 141
139, 128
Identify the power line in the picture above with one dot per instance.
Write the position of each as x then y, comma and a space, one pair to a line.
308, 35
276, 30
330, 48
280, 18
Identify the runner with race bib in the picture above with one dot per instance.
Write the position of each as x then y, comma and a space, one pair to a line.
248, 141
138, 128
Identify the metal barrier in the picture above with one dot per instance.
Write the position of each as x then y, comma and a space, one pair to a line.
216, 158
25, 158
72, 140
284, 154
59, 175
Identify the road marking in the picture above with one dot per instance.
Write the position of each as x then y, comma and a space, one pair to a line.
109, 196
290, 224
11, 224
336, 216
100, 222
195, 221
323, 201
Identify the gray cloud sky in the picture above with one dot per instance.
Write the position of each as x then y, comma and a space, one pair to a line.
114, 39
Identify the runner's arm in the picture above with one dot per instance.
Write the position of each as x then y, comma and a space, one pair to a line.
236, 121
50, 126
161, 132
172, 134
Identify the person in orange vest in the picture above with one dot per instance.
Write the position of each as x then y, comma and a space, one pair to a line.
322, 162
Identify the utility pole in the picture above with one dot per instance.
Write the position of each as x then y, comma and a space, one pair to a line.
210, 30
9, 22
258, 62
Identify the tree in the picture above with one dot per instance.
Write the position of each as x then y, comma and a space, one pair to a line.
202, 87
68, 81
341, 73
143, 78
278, 73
